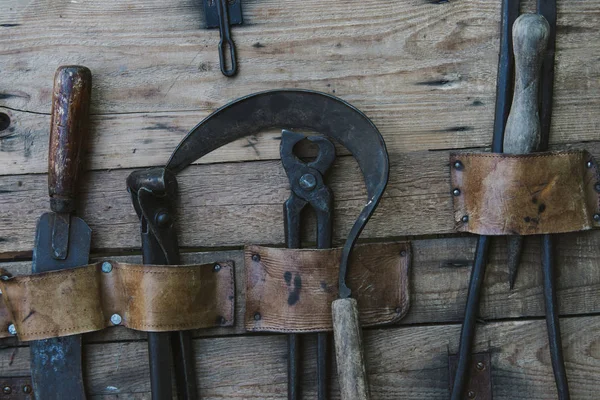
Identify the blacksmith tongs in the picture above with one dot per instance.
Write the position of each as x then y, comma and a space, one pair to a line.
308, 188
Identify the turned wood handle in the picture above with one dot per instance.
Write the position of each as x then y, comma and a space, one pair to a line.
530, 39
347, 334
68, 130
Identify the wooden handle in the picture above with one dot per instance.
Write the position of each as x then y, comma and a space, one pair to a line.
530, 39
352, 373
68, 129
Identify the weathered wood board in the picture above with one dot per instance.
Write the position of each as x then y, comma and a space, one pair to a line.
423, 71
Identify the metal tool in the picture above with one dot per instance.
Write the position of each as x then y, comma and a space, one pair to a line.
222, 14
524, 134
332, 117
153, 193
63, 240
308, 188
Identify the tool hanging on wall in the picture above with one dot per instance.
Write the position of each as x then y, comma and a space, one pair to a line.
153, 193
308, 188
534, 39
329, 116
222, 14
63, 240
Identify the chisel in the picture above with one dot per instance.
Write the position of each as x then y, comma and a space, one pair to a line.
63, 240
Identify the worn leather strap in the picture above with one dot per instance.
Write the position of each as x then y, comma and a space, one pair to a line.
146, 297
291, 290
503, 194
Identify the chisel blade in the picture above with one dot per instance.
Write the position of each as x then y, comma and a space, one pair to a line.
56, 363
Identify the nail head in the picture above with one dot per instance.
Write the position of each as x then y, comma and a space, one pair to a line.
106, 267
456, 192
217, 267
257, 316
7, 389
458, 165
116, 319
12, 330
465, 218
255, 257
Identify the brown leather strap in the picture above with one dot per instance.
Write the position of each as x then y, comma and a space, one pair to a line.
291, 290
502, 194
147, 298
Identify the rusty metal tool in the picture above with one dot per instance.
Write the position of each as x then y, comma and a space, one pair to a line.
308, 189
63, 240
331, 117
222, 14
504, 88
153, 193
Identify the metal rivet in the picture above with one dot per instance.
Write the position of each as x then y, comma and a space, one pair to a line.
257, 316
6, 390
12, 330
106, 267
589, 164
307, 181
403, 253
597, 217
465, 218
398, 310
256, 257
116, 319
458, 165
456, 192
26, 389
480, 366
163, 219
217, 267
471, 394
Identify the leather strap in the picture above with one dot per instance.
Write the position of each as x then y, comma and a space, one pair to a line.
291, 290
503, 194
146, 298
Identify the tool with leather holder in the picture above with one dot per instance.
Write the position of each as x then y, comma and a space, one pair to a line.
308, 189
63, 240
521, 193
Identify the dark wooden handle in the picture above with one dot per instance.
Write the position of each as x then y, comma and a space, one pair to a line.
530, 39
352, 373
68, 130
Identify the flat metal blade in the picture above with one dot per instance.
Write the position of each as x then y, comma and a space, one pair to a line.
211, 11
56, 371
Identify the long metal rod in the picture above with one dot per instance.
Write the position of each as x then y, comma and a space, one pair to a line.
468, 329
552, 320
504, 89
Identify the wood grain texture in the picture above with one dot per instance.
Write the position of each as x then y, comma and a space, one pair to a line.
404, 363
424, 72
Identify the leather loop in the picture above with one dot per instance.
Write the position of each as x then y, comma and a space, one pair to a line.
503, 194
143, 297
291, 290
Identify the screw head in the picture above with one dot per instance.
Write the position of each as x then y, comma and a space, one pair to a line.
597, 217
471, 394
257, 316
106, 267
456, 192
217, 267
256, 257
7, 389
307, 181
465, 218
163, 219
116, 319
480, 366
589, 164
458, 165
12, 330
26, 389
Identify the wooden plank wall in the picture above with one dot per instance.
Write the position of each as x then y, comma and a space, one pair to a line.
423, 71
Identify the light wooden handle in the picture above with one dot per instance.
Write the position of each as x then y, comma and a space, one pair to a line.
347, 334
68, 129
530, 39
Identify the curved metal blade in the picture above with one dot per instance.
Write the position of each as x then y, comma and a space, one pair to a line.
294, 110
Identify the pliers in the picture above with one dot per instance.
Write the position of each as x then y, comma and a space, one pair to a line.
308, 188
